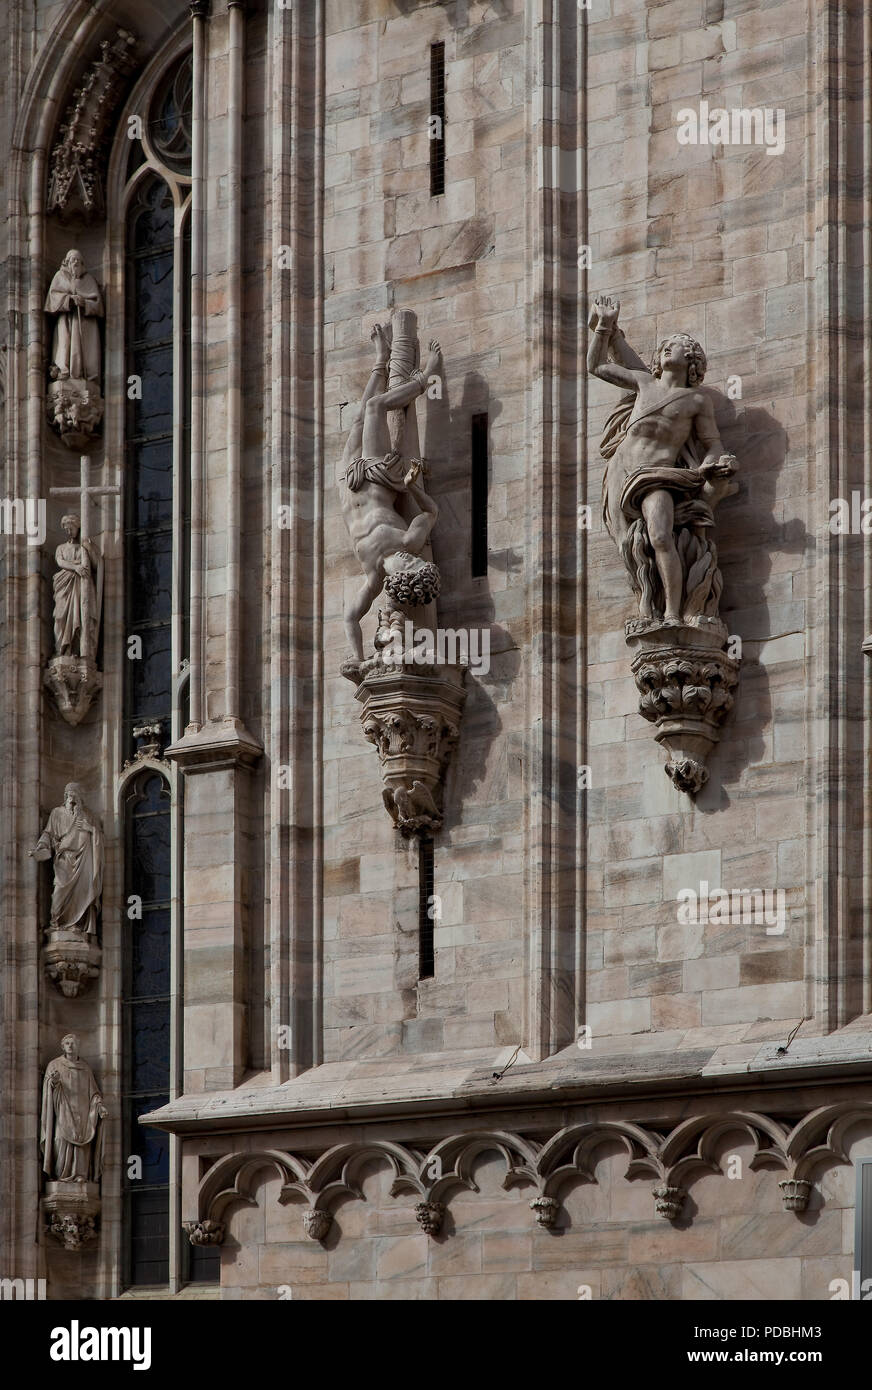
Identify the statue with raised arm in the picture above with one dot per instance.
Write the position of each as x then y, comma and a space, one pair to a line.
666, 470
375, 481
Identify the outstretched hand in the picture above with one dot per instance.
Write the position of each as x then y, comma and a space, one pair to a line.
606, 311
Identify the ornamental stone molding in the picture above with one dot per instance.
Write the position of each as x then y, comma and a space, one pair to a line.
78, 159
668, 1160
662, 484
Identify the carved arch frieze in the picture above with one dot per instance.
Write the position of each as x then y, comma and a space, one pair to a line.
668, 1159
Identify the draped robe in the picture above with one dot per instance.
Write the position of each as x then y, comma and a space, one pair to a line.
71, 1135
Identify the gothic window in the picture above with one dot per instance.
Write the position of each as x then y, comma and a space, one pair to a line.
156, 446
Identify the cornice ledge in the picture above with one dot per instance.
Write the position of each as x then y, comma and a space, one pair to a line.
335, 1095
215, 746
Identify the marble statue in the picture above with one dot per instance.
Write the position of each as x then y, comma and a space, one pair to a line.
74, 404
74, 839
373, 478
666, 471
71, 1132
77, 586
75, 300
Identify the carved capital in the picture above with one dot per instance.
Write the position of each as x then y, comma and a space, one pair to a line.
795, 1193
205, 1232
74, 681
668, 1201
686, 682
72, 1209
71, 960
317, 1223
414, 722
429, 1216
75, 409
546, 1210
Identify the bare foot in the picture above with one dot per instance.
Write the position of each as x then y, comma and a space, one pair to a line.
433, 364
382, 346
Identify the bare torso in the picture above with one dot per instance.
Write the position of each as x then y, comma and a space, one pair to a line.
655, 440
374, 525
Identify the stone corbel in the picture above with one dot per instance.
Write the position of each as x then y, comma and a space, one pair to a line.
71, 960
72, 1209
413, 720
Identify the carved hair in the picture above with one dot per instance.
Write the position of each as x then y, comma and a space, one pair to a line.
74, 789
416, 583
70, 1037
696, 363
72, 516
69, 256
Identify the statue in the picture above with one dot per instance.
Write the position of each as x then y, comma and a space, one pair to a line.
78, 593
411, 705
372, 479
74, 838
74, 296
71, 1133
75, 406
666, 471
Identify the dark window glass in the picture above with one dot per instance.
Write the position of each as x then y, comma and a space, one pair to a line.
437, 118
479, 485
149, 472
148, 559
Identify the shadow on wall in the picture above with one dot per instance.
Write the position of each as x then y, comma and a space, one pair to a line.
467, 602
750, 542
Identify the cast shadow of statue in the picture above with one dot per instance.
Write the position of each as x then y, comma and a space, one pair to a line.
466, 602
749, 539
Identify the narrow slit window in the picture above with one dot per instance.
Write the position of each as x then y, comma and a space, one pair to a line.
426, 911
437, 119
479, 495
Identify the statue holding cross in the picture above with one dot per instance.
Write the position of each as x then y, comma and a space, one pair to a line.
72, 673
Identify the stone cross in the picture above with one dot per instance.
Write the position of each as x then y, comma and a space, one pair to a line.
85, 491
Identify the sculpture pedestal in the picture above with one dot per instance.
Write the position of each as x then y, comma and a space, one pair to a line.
685, 679
75, 409
72, 1209
71, 959
74, 681
412, 715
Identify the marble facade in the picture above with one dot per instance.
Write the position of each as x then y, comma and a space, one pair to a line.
561, 1105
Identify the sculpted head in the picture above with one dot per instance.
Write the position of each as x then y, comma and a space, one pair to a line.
74, 264
676, 350
70, 1047
73, 797
411, 581
71, 525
